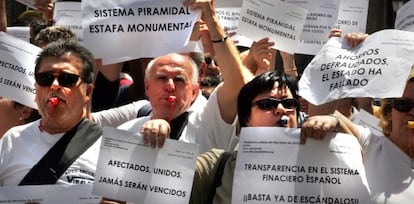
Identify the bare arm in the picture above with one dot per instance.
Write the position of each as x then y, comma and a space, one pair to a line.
235, 75
3, 16
289, 65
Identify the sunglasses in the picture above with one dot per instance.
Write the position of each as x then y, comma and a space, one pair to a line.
64, 79
271, 103
402, 104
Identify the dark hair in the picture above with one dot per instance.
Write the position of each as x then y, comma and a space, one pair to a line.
60, 48
261, 84
54, 33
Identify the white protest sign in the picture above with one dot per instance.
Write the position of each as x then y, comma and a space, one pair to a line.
229, 18
49, 194
272, 167
129, 170
352, 16
69, 14
279, 21
17, 63
377, 68
133, 29
21, 32
404, 19
321, 18
29, 3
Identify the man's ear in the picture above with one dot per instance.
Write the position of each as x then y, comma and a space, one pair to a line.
89, 89
146, 84
196, 90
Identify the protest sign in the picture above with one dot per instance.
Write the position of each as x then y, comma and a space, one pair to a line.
49, 194
377, 68
284, 171
321, 18
21, 32
352, 16
133, 29
129, 170
229, 18
69, 14
404, 19
282, 23
17, 63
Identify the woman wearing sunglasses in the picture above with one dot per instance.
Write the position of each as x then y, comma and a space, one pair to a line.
269, 100
389, 158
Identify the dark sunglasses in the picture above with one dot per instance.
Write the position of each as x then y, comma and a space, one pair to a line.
210, 60
64, 79
402, 104
271, 103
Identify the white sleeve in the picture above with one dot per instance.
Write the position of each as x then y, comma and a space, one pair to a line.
364, 137
116, 116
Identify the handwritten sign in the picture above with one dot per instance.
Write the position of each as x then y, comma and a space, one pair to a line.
279, 21
377, 68
17, 62
129, 170
404, 19
133, 29
283, 171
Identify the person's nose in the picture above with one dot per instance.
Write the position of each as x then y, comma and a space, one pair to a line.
170, 86
55, 84
279, 110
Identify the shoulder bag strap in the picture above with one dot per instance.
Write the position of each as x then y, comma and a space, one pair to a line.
66, 150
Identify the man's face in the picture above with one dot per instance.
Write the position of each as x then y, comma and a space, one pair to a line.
71, 99
170, 76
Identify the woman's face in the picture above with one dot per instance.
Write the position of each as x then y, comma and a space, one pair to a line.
401, 135
275, 108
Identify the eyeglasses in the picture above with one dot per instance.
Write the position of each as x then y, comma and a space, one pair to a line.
271, 103
402, 104
64, 79
210, 60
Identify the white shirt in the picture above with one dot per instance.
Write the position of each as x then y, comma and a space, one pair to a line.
389, 171
205, 127
23, 146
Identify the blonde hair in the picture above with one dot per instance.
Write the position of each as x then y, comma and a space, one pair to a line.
386, 107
